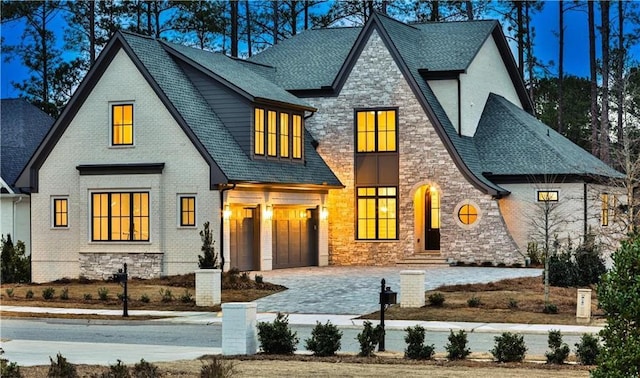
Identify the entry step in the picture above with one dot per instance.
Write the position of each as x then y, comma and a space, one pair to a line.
423, 259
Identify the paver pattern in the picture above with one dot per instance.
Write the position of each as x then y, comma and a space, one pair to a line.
354, 290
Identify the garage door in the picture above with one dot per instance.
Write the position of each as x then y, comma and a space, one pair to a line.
242, 244
295, 237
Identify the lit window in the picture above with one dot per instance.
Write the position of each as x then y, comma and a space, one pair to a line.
376, 131
297, 137
60, 212
604, 215
272, 133
259, 131
120, 216
278, 134
468, 214
122, 124
377, 213
547, 196
284, 135
187, 211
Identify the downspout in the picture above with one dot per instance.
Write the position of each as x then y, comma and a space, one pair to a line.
233, 186
459, 107
584, 200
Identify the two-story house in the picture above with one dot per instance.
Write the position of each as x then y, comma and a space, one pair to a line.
338, 146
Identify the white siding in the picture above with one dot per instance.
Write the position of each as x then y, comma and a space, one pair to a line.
14, 219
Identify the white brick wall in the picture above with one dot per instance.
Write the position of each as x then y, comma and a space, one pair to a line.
412, 288
239, 332
208, 287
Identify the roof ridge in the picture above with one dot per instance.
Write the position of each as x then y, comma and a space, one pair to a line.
137, 35
384, 15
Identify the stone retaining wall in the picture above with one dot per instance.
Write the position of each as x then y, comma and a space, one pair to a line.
103, 265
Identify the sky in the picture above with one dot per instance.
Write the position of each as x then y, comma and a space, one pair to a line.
546, 45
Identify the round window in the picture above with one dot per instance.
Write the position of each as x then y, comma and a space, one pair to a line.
468, 214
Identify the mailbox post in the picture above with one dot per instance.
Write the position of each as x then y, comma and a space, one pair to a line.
387, 297
121, 277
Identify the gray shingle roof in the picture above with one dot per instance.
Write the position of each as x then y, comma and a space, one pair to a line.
212, 133
510, 141
23, 128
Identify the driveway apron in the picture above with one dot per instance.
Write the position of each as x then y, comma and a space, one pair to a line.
354, 290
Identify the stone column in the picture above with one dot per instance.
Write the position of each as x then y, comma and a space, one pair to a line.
239, 333
583, 308
208, 287
412, 288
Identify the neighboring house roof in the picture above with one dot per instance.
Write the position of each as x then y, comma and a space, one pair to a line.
511, 142
23, 128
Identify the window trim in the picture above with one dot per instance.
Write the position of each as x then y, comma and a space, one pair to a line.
548, 192
375, 142
181, 210
112, 106
456, 214
54, 213
377, 198
604, 209
262, 149
109, 216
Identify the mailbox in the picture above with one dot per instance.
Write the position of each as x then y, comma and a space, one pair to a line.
388, 297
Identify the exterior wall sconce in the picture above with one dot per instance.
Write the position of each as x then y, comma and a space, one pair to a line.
268, 212
324, 213
226, 213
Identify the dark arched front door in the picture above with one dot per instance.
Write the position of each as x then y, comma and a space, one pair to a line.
432, 219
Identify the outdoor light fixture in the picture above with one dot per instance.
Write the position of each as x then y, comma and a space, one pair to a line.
268, 212
324, 213
226, 213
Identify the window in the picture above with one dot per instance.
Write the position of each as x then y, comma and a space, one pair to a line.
120, 216
122, 125
187, 211
278, 134
60, 212
377, 213
376, 131
468, 214
547, 196
604, 215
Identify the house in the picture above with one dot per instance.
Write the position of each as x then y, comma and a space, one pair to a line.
23, 126
340, 146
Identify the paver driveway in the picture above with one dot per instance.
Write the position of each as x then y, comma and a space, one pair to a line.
354, 290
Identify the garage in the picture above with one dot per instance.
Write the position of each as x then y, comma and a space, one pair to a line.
295, 237
243, 245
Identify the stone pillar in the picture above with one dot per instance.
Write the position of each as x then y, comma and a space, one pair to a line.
208, 287
583, 309
412, 288
239, 333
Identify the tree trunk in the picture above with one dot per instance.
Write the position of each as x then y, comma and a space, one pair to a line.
92, 32
560, 65
469, 9
530, 58
45, 57
306, 14
149, 18
294, 18
594, 80
435, 10
520, 39
234, 28
620, 73
247, 11
274, 5
604, 119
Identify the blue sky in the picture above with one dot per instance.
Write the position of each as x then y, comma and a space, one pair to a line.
546, 49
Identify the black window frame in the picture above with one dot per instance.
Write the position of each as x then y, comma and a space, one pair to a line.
113, 125
109, 217
64, 213
291, 146
182, 210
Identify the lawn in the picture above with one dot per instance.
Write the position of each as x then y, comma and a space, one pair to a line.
517, 300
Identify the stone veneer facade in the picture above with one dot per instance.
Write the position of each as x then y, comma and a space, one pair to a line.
376, 81
100, 266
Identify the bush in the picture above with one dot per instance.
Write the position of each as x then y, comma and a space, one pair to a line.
562, 270
559, 350
29, 294
166, 296
588, 349
416, 350
474, 302
550, 308
144, 298
325, 340
436, 299
457, 346
143, 369
61, 368
47, 293
186, 297
618, 298
15, 266
9, 292
513, 304
65, 294
259, 279
509, 347
218, 368
277, 337
87, 296
103, 293
581, 267
118, 370
9, 369
534, 254
369, 338
209, 260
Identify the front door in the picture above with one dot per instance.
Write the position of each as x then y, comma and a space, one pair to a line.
242, 245
432, 219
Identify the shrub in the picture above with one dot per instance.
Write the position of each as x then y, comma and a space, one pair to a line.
369, 338
509, 347
474, 302
618, 298
588, 349
244, 277
562, 270
9, 292
436, 299
550, 308
416, 350
87, 297
487, 263
324, 340
9, 369
559, 350
121, 297
259, 279
277, 337
218, 368
186, 297
118, 370
15, 266
61, 368
534, 254
209, 259
103, 293
29, 294
144, 369
581, 267
457, 346
513, 304
144, 298
166, 295
47, 293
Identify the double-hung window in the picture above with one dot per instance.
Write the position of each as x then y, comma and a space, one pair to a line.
122, 124
60, 212
187, 211
377, 176
277, 134
120, 216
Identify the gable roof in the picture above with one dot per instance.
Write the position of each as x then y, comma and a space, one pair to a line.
23, 127
511, 142
227, 160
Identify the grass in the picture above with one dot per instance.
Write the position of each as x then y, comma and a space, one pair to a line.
497, 304
235, 288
